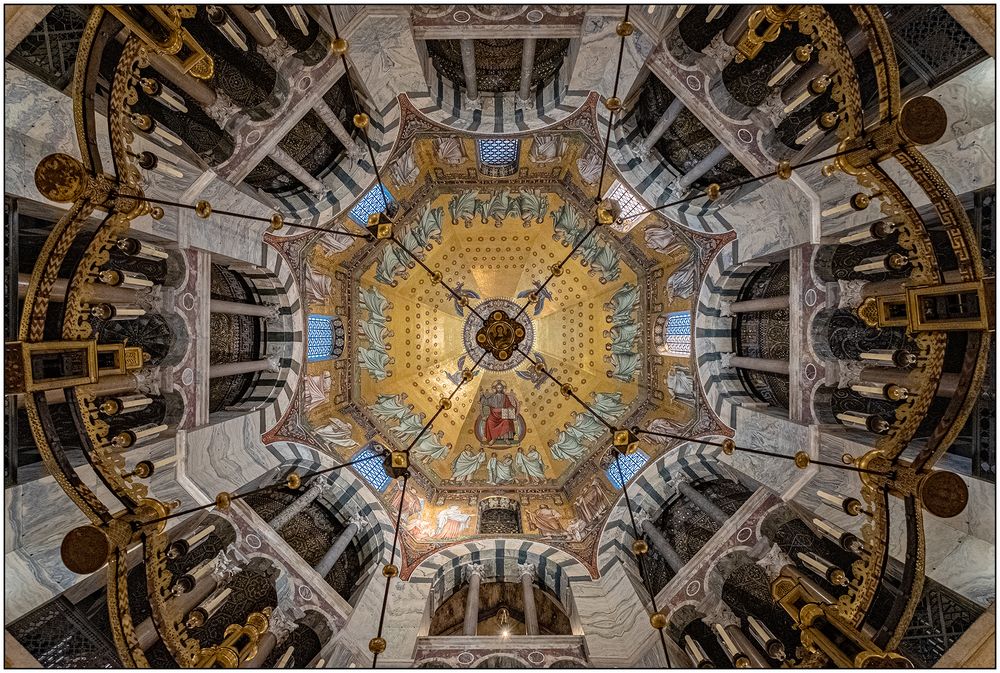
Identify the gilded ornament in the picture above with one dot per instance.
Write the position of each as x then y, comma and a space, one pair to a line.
293, 481
435, 277
658, 620
277, 222
640, 547
143, 469
223, 500
203, 209
557, 269
466, 375
624, 28
376, 645
566, 390
110, 407
389, 570
784, 170
86, 549
444, 404
922, 121
802, 460
728, 446
361, 120
944, 494
613, 104
61, 178
713, 191
868, 312
338, 46
156, 213
538, 368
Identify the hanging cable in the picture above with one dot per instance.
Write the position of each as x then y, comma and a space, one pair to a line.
377, 644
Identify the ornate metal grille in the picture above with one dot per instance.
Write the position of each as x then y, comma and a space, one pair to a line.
499, 157
677, 333
372, 470
630, 466
59, 636
931, 42
49, 51
372, 202
326, 337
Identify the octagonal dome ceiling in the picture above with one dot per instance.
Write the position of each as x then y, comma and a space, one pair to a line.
492, 218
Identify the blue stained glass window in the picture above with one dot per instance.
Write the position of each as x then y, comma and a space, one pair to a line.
371, 203
677, 333
630, 464
628, 203
498, 151
320, 338
372, 469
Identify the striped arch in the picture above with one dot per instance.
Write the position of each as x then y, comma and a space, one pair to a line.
651, 491
714, 333
274, 283
353, 495
445, 570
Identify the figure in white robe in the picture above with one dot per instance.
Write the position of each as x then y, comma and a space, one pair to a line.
404, 170
680, 285
623, 366
319, 286
376, 362
337, 433
547, 148
623, 303
589, 166
530, 464
331, 244
622, 337
663, 240
451, 522
681, 384
450, 150
429, 446
317, 389
466, 464
500, 471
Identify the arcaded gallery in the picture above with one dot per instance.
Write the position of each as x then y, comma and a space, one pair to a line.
499, 336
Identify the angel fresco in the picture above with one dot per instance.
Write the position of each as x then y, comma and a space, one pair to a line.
451, 522
450, 150
546, 148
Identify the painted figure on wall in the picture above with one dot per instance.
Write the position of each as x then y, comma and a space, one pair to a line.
680, 383
317, 389
450, 150
500, 422
593, 500
547, 520
466, 464
451, 522
500, 471
530, 465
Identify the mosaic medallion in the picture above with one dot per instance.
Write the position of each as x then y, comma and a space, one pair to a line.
493, 335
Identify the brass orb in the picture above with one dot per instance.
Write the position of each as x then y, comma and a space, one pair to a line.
102, 311
944, 494
613, 104
784, 170
85, 549
141, 121
435, 277
860, 201
110, 277
640, 547
277, 222
466, 375
445, 404
61, 178
538, 368
223, 500
143, 469
624, 28
463, 301
713, 191
293, 481
922, 121
203, 209
156, 213
338, 46
728, 446
828, 170
838, 577
533, 297
828, 120
110, 407
566, 390
361, 120
376, 645
389, 570
802, 460
658, 620
803, 53
557, 269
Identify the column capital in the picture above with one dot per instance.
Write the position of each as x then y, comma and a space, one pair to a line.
274, 364
223, 109
476, 570
471, 103
719, 51
147, 381
527, 570
726, 309
851, 292
281, 624
358, 519
848, 372
721, 613
224, 567
773, 561
641, 516
726, 360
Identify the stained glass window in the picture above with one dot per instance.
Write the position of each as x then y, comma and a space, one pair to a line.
630, 466
372, 469
498, 157
629, 204
677, 333
372, 203
325, 337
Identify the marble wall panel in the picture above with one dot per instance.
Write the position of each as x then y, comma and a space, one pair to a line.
614, 619
597, 57
227, 455
386, 60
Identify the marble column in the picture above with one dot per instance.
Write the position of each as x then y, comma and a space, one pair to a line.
659, 542
329, 118
201, 92
246, 367
765, 304
744, 644
282, 158
712, 160
97, 291
662, 125
471, 623
237, 308
729, 360
315, 489
738, 27
262, 34
334, 553
528, 574
702, 502
469, 68
265, 645
527, 67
